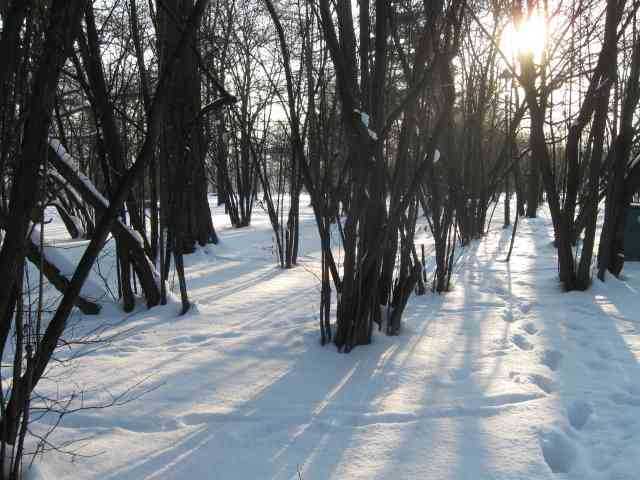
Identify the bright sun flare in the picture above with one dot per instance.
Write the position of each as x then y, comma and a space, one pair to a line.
528, 37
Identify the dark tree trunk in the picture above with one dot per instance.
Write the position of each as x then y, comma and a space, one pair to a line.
182, 147
64, 17
533, 182
619, 191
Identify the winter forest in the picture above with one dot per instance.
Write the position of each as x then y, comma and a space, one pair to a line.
319, 239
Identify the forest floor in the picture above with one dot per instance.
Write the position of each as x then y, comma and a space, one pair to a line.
506, 377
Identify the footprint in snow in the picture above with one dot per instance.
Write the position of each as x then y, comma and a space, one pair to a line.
531, 328
558, 451
508, 317
543, 383
578, 413
521, 342
525, 307
551, 358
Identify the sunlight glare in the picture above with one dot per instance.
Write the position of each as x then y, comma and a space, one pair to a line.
527, 38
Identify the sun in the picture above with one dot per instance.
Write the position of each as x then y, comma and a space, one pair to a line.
529, 37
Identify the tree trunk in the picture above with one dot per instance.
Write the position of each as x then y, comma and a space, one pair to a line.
619, 191
64, 17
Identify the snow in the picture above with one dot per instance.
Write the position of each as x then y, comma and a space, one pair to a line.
78, 224
364, 118
506, 377
92, 289
436, 156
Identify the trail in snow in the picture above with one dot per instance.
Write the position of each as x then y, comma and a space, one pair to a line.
506, 377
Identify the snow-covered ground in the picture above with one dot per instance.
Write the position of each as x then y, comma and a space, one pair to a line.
506, 377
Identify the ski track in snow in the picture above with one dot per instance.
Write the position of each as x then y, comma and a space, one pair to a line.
505, 377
